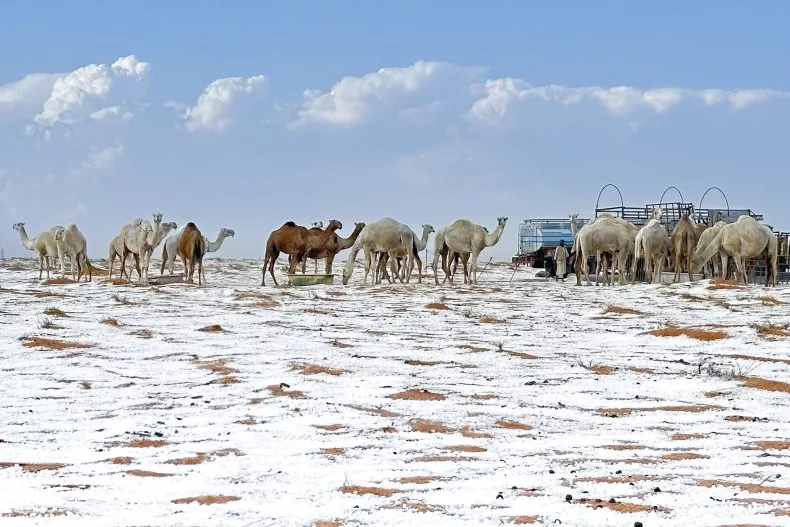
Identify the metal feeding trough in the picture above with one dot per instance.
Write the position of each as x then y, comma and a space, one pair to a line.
310, 279
166, 279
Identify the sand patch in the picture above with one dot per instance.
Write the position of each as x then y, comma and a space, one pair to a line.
142, 442
484, 396
512, 425
315, 369
219, 366
33, 467
773, 445
53, 344
429, 427
37, 513
213, 328
419, 480
375, 411
197, 459
329, 428
442, 459
521, 520
415, 362
619, 310
765, 384
759, 359
619, 506
416, 506
121, 461
721, 283
417, 395
332, 451
279, 390
683, 456
521, 355
465, 448
58, 281
752, 488
491, 320
471, 434
342, 345
436, 305
148, 474
55, 312
686, 437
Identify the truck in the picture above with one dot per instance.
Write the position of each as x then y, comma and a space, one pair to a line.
538, 238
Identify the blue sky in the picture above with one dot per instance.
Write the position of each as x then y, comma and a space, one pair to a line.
246, 115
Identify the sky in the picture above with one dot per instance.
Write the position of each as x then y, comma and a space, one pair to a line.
249, 114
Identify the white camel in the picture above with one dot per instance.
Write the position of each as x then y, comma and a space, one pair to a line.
463, 236
385, 235
141, 239
741, 240
605, 233
419, 245
71, 242
441, 250
170, 246
43, 245
713, 266
652, 244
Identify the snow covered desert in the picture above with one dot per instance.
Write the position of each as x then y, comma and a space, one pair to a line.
511, 402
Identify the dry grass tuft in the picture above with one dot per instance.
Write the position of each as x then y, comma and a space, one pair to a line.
260, 299
329, 428
279, 390
85, 385
484, 396
121, 461
621, 412
328, 523
471, 434
419, 480
521, 520
491, 320
315, 369
441, 459
512, 425
53, 344
771, 331
417, 395
148, 474
48, 324
599, 369
333, 451
373, 491
214, 328
227, 379
55, 312
683, 456
417, 506
145, 442
773, 445
219, 366
721, 283
473, 349
759, 383
619, 310
142, 333
436, 305
521, 355
336, 343
58, 281
429, 427
33, 467
466, 448
206, 500
415, 362
770, 301
375, 411
110, 322
40, 513
699, 334
686, 437
197, 459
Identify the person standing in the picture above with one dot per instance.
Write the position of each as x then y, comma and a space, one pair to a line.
560, 261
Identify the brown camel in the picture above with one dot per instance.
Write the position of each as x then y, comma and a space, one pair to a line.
191, 249
333, 246
318, 238
290, 239
684, 241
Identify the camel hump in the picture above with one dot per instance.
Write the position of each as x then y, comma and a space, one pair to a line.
191, 225
289, 224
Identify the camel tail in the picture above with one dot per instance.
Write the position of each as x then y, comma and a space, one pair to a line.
702, 255
638, 249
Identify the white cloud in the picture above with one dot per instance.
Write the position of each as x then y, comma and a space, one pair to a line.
34, 87
211, 112
499, 95
350, 100
102, 159
92, 82
112, 111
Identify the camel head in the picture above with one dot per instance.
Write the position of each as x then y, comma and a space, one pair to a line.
58, 232
169, 226
336, 224
227, 233
501, 220
346, 276
157, 217
18, 226
574, 217
428, 228
358, 226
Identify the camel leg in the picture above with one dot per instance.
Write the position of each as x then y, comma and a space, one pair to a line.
446, 266
368, 261
419, 269
271, 258
328, 265
434, 267
473, 268
689, 256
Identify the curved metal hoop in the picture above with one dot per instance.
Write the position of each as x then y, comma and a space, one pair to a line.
720, 192
598, 201
661, 201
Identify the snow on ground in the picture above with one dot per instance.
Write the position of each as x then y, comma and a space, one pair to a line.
518, 402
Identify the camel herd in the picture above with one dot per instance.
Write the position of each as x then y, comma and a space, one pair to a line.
691, 245
612, 239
